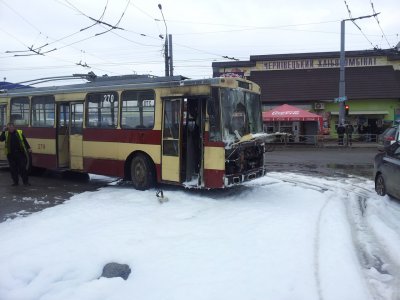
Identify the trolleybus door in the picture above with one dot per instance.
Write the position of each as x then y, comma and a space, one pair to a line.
63, 116
171, 140
75, 137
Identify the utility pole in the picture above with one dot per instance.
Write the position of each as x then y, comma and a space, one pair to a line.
170, 56
342, 84
166, 57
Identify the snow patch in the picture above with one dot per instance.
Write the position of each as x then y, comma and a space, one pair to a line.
283, 236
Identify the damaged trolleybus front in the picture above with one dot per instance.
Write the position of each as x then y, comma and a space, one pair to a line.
236, 129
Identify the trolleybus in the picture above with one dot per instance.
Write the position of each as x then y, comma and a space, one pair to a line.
199, 133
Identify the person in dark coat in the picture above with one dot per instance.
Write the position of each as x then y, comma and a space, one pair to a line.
340, 131
17, 150
349, 134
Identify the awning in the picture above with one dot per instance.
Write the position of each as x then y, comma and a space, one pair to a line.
364, 112
287, 112
290, 113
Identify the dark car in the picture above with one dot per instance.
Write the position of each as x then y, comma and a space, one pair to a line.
389, 137
387, 171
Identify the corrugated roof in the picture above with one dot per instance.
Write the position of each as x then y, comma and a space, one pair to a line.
392, 53
323, 84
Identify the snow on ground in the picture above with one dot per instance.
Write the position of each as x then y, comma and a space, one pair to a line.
284, 236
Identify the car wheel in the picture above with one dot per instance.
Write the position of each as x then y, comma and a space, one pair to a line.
380, 185
142, 173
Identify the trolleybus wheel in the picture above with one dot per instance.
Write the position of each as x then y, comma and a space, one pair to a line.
142, 173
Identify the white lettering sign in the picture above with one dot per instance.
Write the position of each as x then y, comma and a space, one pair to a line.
286, 113
319, 63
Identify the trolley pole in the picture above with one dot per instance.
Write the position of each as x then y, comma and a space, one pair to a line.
342, 83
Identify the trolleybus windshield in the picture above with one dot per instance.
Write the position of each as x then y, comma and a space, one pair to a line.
241, 114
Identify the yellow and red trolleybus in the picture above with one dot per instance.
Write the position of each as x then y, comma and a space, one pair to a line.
198, 133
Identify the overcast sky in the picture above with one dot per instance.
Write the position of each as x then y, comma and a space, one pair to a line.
203, 32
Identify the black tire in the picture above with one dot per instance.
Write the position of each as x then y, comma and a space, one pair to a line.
142, 172
380, 187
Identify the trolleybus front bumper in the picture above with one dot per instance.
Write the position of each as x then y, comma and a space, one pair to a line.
233, 179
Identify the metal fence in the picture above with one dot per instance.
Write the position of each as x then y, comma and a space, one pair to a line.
325, 140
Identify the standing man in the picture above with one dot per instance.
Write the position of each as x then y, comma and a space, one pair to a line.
340, 131
349, 134
17, 150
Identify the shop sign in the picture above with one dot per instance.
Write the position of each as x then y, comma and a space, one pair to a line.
286, 113
230, 74
320, 63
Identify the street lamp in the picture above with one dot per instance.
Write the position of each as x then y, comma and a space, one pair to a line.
166, 57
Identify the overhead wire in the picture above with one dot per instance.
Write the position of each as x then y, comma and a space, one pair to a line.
14, 37
124, 36
111, 26
250, 28
21, 16
351, 19
119, 21
74, 8
36, 50
81, 40
106, 64
101, 18
379, 24
148, 15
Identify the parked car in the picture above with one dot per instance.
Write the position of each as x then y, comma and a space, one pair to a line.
387, 171
389, 136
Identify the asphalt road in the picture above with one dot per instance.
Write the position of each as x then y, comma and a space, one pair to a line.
47, 190
324, 161
53, 188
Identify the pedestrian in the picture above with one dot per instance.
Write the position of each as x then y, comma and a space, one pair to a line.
17, 151
340, 131
349, 134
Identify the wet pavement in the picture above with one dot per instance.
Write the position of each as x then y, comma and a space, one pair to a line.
53, 188
323, 161
49, 189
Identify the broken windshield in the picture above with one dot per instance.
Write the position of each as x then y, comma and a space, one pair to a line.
241, 114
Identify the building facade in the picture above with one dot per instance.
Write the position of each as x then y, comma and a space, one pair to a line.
311, 81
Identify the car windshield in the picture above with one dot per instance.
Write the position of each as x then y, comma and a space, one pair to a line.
241, 114
390, 132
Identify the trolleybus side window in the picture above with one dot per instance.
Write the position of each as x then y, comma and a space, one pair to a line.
76, 118
102, 110
43, 109
20, 111
137, 109
3, 121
